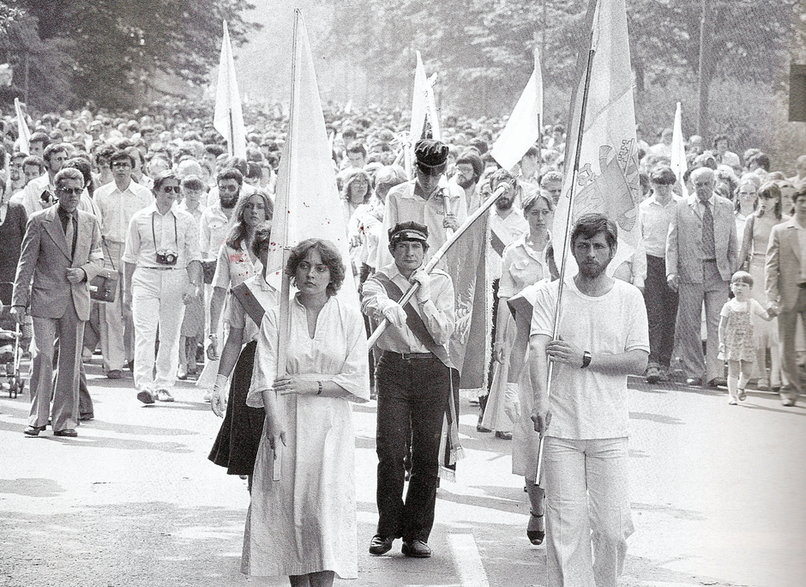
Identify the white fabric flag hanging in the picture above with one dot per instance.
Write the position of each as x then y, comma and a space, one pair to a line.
523, 127
607, 181
23, 132
228, 117
678, 162
307, 203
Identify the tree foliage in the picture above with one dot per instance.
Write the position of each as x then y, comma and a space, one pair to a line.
482, 49
108, 50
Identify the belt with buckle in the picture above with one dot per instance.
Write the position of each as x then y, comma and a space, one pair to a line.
410, 356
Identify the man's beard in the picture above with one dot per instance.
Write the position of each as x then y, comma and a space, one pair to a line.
592, 271
504, 203
228, 203
464, 182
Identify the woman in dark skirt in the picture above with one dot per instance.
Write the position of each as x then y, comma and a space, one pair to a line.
238, 438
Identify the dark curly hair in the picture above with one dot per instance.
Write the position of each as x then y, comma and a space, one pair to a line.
330, 257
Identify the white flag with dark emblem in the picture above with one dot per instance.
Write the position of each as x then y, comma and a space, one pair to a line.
607, 181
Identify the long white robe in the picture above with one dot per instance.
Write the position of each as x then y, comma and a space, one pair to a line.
306, 522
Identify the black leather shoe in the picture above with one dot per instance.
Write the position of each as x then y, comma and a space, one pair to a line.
380, 544
33, 430
67, 432
718, 382
694, 381
416, 549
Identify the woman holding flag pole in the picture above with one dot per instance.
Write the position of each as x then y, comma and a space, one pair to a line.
311, 363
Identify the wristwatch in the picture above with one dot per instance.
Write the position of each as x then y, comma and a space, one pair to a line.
586, 359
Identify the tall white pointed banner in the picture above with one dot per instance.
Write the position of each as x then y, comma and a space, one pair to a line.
678, 162
228, 117
523, 127
307, 202
23, 132
424, 115
607, 178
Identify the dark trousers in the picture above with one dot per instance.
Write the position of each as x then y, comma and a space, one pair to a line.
661, 311
412, 398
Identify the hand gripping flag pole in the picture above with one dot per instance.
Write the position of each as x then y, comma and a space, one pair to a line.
409, 293
566, 245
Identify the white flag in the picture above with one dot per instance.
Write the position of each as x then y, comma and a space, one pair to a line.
607, 181
678, 162
424, 115
228, 117
307, 203
23, 132
523, 127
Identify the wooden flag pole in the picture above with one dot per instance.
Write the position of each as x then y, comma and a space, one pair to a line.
566, 245
282, 239
409, 293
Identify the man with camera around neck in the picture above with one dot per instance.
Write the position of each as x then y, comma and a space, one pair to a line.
163, 273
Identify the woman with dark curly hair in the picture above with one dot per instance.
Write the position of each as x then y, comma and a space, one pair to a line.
303, 525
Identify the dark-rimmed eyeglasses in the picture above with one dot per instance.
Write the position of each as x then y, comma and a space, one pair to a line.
70, 191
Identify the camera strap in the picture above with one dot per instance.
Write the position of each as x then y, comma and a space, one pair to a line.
154, 235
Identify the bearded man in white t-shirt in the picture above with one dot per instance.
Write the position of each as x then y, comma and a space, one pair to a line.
602, 337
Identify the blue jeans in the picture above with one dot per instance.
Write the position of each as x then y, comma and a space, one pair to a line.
587, 511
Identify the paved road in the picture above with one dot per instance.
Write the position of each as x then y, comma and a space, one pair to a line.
717, 491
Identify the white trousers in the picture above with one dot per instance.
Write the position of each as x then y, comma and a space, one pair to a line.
587, 511
157, 302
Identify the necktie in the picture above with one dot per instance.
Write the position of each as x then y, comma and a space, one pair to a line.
708, 247
69, 233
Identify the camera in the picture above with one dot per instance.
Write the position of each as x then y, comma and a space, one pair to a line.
166, 258
47, 198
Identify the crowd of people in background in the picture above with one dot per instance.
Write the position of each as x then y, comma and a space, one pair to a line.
120, 157
185, 227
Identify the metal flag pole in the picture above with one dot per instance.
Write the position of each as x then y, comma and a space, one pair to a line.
409, 293
566, 245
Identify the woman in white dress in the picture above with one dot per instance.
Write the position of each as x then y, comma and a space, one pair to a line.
303, 525
753, 255
526, 261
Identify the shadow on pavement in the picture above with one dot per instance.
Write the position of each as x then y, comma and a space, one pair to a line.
31, 487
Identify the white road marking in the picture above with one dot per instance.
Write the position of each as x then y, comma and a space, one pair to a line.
467, 560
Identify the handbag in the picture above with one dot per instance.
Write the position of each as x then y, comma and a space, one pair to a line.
104, 286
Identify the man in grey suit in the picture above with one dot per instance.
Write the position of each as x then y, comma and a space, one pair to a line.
701, 256
61, 253
786, 290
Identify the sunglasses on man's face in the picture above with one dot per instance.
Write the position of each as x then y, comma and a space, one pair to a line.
70, 191
170, 188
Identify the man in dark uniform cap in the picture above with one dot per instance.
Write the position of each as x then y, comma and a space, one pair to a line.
414, 382
428, 199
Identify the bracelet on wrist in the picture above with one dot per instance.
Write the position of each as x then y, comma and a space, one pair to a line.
319, 383
586, 359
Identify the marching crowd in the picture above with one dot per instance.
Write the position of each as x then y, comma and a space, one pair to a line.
153, 208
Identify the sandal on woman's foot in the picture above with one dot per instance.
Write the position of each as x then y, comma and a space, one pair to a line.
742, 394
533, 530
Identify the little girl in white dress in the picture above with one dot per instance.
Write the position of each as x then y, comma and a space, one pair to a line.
737, 342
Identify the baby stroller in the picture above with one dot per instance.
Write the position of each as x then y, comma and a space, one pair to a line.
10, 335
